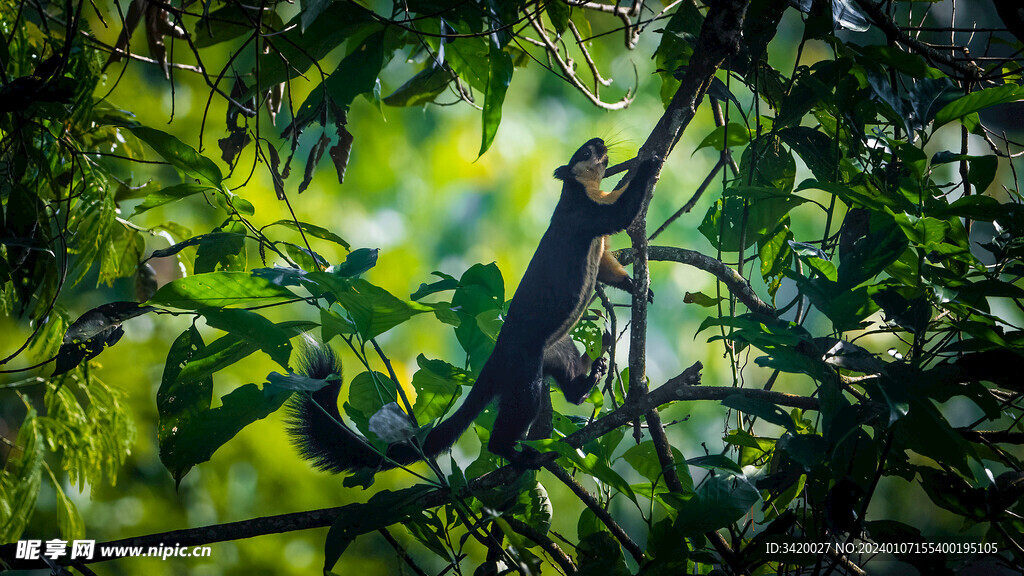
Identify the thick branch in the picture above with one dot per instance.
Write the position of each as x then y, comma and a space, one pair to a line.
733, 281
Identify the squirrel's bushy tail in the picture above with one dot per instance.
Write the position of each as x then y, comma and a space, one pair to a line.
315, 424
322, 438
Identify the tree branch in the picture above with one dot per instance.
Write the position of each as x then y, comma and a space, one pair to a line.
736, 284
549, 546
598, 511
969, 70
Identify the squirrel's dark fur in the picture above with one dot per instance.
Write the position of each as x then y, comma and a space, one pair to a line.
533, 340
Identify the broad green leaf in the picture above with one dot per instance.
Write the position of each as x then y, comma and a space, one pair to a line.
194, 165
953, 493
357, 262
192, 439
978, 101
422, 88
592, 464
314, 231
229, 349
367, 394
356, 74
170, 194
373, 309
559, 15
332, 324
383, 509
749, 214
93, 331
218, 290
719, 461
231, 21
296, 49
311, 10
738, 135
644, 459
438, 385
193, 241
498, 79
469, 57
226, 252
764, 410
925, 431
253, 328
721, 500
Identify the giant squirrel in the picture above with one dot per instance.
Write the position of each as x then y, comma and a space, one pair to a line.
533, 341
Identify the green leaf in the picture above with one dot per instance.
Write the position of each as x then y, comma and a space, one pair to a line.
925, 232
438, 385
170, 194
951, 492
314, 231
978, 101
231, 21
311, 10
870, 255
374, 310
809, 450
537, 508
226, 252
590, 463
976, 207
190, 431
382, 510
367, 394
332, 324
182, 156
21, 480
297, 49
718, 461
356, 74
219, 289
423, 87
69, 521
499, 76
761, 409
94, 331
925, 431
559, 15
818, 151
357, 262
229, 349
193, 241
469, 57
909, 63
253, 328
720, 501
749, 214
644, 459
738, 135
982, 171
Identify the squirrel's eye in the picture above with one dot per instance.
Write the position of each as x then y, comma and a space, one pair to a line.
585, 155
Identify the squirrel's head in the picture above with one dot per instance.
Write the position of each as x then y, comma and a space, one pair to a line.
587, 165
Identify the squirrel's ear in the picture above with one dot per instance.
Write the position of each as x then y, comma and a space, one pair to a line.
563, 173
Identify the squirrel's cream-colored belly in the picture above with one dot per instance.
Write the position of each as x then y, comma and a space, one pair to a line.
589, 281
